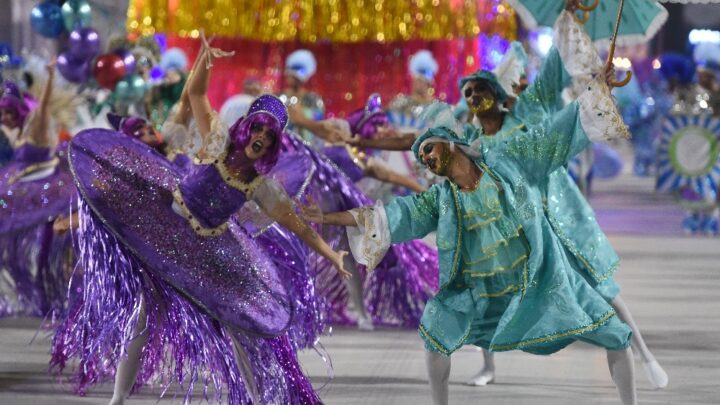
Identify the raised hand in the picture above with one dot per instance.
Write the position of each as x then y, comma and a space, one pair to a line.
211, 52
50, 66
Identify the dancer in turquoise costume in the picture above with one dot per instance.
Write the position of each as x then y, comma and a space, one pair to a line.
506, 280
571, 62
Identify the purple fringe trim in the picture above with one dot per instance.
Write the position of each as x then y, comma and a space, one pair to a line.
39, 264
185, 346
290, 256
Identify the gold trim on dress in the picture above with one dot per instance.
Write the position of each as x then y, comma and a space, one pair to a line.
555, 336
33, 168
496, 270
194, 223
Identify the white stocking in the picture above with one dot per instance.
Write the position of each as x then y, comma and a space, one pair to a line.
355, 289
622, 371
655, 373
438, 367
128, 368
487, 374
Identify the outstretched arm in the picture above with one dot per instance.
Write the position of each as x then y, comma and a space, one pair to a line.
542, 148
197, 88
272, 199
324, 129
395, 141
37, 129
384, 173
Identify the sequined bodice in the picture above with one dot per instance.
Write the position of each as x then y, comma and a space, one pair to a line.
212, 195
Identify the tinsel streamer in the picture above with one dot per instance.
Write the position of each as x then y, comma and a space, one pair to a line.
185, 346
290, 256
396, 292
309, 21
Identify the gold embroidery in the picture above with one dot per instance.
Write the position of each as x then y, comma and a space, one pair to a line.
496, 270
555, 336
33, 168
508, 290
228, 178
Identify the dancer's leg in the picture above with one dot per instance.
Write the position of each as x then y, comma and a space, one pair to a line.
243, 362
438, 367
622, 372
487, 374
655, 373
128, 368
355, 289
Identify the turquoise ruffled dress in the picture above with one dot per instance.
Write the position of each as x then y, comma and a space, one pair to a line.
570, 64
491, 295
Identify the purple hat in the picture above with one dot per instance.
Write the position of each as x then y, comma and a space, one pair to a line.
130, 126
364, 122
271, 105
13, 100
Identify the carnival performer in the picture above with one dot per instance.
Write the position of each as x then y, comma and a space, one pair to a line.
168, 289
572, 61
300, 66
36, 187
285, 249
357, 164
505, 280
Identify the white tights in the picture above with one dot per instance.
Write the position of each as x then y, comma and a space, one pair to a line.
620, 363
655, 373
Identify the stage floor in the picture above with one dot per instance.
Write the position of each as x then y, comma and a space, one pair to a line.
670, 282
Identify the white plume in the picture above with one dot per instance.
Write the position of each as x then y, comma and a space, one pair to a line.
511, 67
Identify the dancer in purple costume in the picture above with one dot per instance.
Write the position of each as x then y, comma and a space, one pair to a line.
285, 249
36, 187
358, 163
395, 297
170, 290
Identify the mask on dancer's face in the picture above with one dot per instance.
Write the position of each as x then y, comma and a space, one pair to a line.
479, 96
436, 157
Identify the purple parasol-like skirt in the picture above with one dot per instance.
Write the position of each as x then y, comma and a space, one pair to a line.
32, 257
396, 292
197, 291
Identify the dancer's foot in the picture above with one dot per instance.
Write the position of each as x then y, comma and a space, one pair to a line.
365, 323
484, 377
116, 401
657, 377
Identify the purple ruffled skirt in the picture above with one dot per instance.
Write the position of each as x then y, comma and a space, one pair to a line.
197, 291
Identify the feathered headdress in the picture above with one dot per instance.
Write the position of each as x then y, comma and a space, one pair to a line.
707, 57
512, 67
301, 64
423, 64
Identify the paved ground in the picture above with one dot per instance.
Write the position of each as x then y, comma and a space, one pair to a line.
669, 281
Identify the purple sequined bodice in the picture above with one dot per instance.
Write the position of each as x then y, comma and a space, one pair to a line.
208, 196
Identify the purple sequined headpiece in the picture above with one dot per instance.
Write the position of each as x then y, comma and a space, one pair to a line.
272, 105
131, 126
365, 122
12, 100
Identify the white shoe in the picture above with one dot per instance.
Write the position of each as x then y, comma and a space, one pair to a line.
657, 377
364, 323
484, 377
